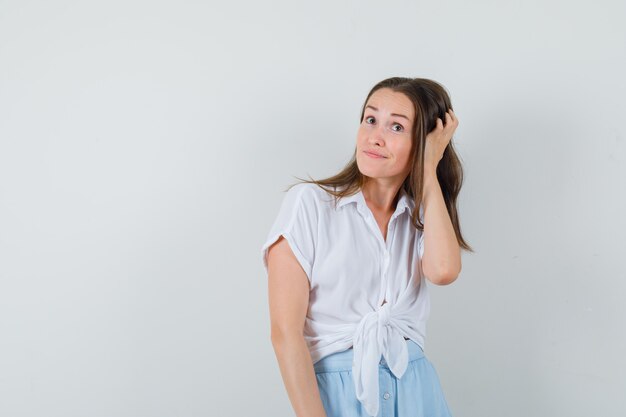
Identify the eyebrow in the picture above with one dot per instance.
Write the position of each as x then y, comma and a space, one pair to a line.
393, 114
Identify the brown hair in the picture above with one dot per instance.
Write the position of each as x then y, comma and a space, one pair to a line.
431, 101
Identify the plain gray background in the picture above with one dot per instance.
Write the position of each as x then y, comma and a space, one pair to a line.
145, 146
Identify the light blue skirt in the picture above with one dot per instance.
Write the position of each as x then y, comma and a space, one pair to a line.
417, 394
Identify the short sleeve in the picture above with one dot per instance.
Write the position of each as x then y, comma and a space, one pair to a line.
420, 238
297, 221
420, 245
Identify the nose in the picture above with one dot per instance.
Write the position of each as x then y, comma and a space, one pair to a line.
378, 135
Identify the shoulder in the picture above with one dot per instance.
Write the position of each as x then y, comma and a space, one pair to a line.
308, 194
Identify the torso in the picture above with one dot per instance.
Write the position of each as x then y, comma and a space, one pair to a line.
351, 253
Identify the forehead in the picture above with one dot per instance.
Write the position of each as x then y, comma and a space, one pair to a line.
389, 101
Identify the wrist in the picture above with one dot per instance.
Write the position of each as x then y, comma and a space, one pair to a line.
430, 181
430, 172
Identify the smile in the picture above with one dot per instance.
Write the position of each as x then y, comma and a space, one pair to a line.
373, 155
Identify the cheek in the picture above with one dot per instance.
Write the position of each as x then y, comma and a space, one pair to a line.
360, 138
401, 148
405, 153
407, 147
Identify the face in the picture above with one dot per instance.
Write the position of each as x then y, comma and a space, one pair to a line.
386, 130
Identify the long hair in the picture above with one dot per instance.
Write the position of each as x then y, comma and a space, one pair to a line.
430, 101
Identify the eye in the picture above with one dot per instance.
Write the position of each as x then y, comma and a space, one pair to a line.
367, 118
400, 126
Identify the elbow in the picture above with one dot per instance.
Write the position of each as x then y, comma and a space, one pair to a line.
283, 343
443, 275
444, 278
284, 335
442, 270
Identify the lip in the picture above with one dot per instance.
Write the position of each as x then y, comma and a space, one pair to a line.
374, 155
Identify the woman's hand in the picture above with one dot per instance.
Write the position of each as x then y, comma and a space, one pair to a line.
438, 139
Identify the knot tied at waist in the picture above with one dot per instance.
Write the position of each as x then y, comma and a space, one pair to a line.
377, 334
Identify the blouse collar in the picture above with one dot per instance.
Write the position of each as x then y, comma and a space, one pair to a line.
404, 202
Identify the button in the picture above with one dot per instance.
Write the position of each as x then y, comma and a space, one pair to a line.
386, 396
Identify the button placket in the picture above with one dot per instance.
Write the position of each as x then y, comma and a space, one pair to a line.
385, 245
371, 223
386, 260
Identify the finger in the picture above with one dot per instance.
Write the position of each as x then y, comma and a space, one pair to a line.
453, 118
438, 126
456, 119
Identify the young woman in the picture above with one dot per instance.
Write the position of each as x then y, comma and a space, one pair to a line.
348, 258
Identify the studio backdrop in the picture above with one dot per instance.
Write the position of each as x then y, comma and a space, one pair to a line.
145, 147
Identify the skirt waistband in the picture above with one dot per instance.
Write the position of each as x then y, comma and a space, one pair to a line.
342, 361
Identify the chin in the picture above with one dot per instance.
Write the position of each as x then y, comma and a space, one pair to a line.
372, 173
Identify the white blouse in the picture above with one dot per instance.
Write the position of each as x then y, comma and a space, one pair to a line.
351, 270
